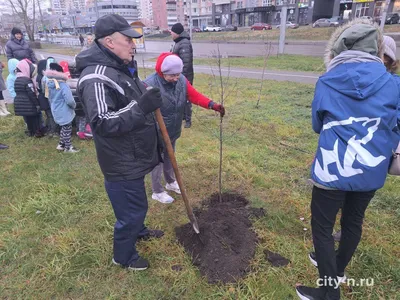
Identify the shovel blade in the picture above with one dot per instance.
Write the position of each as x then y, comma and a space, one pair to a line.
194, 223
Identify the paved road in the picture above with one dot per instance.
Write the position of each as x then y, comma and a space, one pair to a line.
239, 49
206, 49
301, 77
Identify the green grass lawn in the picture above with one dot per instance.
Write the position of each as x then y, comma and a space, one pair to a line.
56, 223
274, 62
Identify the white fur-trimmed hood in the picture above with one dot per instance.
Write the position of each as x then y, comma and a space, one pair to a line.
55, 74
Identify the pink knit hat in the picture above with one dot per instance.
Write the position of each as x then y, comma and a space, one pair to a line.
172, 64
389, 47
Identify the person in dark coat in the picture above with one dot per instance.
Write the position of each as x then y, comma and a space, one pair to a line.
18, 48
89, 41
183, 48
26, 103
125, 133
52, 129
81, 40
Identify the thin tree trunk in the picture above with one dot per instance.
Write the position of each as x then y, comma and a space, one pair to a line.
219, 62
266, 56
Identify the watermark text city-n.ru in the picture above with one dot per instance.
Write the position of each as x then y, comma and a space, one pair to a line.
335, 282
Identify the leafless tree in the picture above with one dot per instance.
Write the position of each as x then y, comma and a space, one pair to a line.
266, 56
225, 90
25, 10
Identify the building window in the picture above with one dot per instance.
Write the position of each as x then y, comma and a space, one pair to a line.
267, 2
362, 9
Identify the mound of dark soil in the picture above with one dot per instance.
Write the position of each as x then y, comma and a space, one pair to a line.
226, 243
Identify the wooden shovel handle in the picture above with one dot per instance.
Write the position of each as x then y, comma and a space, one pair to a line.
171, 154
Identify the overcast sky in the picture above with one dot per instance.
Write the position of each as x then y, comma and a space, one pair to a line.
6, 8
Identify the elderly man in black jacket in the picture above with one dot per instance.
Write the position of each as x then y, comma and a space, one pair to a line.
183, 48
120, 111
18, 48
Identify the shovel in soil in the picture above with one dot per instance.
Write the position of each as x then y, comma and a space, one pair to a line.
171, 155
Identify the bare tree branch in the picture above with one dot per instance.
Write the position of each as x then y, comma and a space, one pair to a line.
266, 56
22, 9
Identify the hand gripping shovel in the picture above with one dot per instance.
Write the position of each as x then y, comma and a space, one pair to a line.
171, 155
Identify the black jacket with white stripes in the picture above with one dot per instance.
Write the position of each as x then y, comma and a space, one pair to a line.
126, 140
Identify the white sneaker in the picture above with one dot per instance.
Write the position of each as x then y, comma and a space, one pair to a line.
162, 197
60, 147
173, 187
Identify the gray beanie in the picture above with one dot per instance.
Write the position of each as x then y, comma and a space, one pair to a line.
172, 64
389, 47
360, 37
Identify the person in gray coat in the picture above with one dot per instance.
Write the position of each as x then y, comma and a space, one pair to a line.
176, 90
183, 48
18, 48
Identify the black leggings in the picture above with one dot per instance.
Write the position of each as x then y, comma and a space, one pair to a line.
33, 123
325, 205
1, 95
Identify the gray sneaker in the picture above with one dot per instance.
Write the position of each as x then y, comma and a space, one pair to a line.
71, 150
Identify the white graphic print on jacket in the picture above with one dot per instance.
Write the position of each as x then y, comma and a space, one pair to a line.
355, 151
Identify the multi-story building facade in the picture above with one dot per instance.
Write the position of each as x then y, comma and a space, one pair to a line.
159, 8
248, 12
168, 12
60, 7
126, 8
146, 12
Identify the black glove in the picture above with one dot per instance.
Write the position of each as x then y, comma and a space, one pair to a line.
150, 101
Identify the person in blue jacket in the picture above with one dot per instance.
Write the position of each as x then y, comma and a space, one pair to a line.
391, 64
62, 105
354, 111
12, 66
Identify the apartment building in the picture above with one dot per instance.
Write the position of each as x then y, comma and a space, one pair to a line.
245, 13
126, 8
60, 7
168, 12
146, 12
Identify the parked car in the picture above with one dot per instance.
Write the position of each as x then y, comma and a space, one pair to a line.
337, 20
332, 22
196, 29
261, 26
212, 28
393, 18
289, 25
230, 28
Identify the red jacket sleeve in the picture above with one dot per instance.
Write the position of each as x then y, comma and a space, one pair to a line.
195, 97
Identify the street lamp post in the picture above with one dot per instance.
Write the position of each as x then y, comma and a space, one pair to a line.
283, 28
97, 9
384, 14
190, 19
